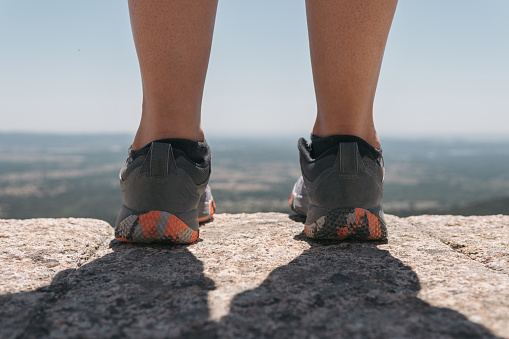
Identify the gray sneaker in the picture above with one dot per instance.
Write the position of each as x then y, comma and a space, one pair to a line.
340, 191
165, 193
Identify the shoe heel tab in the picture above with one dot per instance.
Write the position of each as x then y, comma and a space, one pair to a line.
161, 160
348, 161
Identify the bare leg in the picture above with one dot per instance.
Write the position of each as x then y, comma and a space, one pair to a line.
347, 41
173, 40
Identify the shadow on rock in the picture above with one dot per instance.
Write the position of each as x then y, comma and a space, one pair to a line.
346, 290
137, 291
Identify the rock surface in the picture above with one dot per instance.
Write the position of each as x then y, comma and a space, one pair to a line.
256, 275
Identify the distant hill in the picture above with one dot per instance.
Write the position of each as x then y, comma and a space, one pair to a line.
77, 175
484, 207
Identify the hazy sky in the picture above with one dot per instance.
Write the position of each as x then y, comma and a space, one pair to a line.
70, 66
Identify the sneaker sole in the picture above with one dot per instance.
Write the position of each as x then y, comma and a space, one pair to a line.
153, 227
350, 223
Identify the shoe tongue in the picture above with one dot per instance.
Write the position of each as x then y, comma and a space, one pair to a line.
320, 145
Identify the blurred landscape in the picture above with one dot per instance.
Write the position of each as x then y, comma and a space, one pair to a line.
77, 175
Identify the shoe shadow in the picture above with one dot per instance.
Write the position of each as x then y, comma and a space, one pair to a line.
351, 290
342, 290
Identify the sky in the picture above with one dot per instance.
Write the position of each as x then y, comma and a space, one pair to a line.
70, 66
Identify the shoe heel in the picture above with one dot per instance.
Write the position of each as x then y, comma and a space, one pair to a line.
156, 226
347, 223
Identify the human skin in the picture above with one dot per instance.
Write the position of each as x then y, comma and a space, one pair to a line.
173, 39
347, 41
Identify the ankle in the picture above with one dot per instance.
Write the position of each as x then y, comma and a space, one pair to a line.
368, 134
145, 136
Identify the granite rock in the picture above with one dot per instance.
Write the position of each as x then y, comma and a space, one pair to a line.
256, 275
